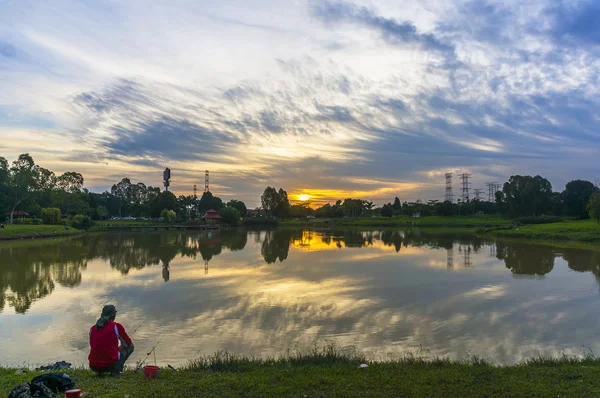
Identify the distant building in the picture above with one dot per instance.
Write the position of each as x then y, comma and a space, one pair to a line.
416, 215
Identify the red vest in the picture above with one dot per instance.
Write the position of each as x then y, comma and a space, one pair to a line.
104, 344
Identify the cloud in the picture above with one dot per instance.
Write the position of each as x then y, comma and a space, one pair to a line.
390, 30
7, 50
575, 22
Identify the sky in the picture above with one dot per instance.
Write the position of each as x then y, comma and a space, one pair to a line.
333, 99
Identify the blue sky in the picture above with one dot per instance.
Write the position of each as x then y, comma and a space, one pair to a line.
369, 98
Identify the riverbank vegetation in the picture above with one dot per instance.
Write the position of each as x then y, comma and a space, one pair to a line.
10, 232
332, 374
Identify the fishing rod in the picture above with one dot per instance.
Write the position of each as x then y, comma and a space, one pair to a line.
139, 326
148, 354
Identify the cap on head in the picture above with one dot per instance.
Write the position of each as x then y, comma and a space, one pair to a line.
109, 310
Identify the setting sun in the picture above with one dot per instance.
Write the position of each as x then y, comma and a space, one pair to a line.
304, 197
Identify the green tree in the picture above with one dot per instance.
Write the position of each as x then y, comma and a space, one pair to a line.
51, 216
25, 179
230, 215
209, 202
526, 195
102, 212
387, 210
593, 207
239, 205
576, 196
70, 182
275, 203
168, 215
397, 205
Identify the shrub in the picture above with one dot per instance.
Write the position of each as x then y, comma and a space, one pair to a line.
81, 222
168, 215
27, 221
51, 216
230, 215
537, 220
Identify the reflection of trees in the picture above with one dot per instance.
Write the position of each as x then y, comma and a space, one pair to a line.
28, 273
392, 238
526, 259
583, 261
276, 245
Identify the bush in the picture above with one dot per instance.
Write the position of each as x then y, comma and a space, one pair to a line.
27, 221
81, 222
230, 215
168, 215
537, 220
51, 216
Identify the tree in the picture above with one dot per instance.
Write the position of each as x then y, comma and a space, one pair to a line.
25, 179
526, 195
70, 182
275, 203
166, 200
387, 210
168, 215
576, 196
208, 202
239, 206
102, 212
397, 205
51, 216
593, 207
230, 215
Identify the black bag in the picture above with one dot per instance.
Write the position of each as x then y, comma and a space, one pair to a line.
57, 382
26, 390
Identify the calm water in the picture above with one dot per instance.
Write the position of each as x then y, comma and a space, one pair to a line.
264, 292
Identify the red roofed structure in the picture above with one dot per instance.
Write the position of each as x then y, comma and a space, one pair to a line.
211, 215
17, 213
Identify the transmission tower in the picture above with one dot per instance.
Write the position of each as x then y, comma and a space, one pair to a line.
449, 197
195, 192
478, 193
206, 181
465, 186
492, 189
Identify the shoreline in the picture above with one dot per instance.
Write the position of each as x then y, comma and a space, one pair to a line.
323, 373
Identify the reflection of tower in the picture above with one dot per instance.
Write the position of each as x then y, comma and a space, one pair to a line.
465, 186
450, 258
205, 267
493, 250
166, 273
206, 181
449, 197
467, 257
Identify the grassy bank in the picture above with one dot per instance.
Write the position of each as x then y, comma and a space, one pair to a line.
35, 231
566, 231
337, 376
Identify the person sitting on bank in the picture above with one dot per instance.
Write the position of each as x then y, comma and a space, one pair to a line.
106, 355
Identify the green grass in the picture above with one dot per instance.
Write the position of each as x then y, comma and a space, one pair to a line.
574, 230
432, 221
330, 374
34, 231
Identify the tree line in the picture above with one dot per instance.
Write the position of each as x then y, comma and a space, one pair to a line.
26, 186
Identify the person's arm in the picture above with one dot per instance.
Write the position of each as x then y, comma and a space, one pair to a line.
123, 334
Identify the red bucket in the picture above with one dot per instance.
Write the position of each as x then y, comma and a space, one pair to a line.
151, 371
73, 393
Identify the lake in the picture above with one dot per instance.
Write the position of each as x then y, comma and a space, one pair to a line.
260, 293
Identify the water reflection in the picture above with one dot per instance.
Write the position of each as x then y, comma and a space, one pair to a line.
256, 291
